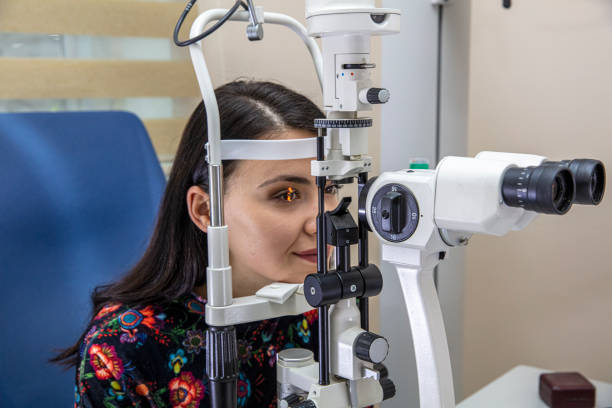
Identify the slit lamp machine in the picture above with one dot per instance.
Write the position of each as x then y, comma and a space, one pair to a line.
417, 215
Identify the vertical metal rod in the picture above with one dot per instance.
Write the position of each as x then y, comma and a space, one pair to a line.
221, 354
322, 268
439, 102
215, 191
343, 258
364, 303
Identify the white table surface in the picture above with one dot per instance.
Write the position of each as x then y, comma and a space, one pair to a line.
518, 388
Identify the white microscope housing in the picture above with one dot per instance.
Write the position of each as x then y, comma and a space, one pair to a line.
345, 29
419, 214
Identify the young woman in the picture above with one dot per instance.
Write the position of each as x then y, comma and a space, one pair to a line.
145, 343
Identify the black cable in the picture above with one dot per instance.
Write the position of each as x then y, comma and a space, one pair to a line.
206, 33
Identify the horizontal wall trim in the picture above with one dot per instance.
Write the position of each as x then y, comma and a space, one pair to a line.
32, 78
93, 17
165, 135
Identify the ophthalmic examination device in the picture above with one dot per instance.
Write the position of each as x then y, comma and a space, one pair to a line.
417, 215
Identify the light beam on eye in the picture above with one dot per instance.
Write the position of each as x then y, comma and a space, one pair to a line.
290, 194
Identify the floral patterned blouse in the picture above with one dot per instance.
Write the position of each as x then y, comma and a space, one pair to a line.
154, 357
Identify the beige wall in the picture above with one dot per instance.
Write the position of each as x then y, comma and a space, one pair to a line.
541, 83
280, 57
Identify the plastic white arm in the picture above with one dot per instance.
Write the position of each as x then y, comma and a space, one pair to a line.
219, 270
429, 337
203, 76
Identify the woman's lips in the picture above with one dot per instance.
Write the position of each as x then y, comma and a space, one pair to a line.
309, 258
311, 254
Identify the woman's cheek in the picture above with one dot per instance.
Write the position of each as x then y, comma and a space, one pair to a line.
272, 236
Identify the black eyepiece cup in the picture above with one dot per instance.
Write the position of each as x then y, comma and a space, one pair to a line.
590, 176
543, 189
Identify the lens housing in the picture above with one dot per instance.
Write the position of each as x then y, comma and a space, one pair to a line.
543, 189
590, 178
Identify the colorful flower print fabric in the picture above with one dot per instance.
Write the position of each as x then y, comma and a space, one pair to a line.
155, 356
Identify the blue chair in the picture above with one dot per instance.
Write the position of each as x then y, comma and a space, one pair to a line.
79, 193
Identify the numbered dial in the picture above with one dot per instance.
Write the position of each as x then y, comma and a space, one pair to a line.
395, 212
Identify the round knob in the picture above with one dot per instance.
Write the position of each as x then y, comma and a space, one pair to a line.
295, 357
371, 347
388, 388
395, 212
374, 96
382, 370
322, 289
255, 32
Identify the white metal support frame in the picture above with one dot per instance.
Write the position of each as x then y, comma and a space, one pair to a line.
219, 272
201, 69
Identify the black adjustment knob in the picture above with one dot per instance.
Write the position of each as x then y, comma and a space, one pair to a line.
382, 370
390, 213
372, 280
376, 96
371, 347
352, 283
222, 365
322, 289
342, 123
393, 214
388, 388
221, 361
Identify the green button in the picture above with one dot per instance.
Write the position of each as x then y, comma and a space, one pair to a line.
419, 166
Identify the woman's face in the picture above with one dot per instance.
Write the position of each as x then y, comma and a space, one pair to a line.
271, 209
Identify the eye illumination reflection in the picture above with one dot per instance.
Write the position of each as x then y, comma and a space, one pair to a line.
289, 195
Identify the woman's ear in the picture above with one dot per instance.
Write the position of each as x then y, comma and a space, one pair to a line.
198, 205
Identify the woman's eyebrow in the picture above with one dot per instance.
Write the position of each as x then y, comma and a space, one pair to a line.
286, 177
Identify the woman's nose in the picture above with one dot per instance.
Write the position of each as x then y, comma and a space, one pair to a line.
310, 227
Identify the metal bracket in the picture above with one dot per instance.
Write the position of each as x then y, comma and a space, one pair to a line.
339, 169
275, 300
255, 28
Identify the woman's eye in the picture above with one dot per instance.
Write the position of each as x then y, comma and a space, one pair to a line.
288, 195
332, 189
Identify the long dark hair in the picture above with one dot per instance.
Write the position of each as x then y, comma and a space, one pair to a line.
175, 261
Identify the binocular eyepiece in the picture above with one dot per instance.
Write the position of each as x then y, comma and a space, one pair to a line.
553, 187
590, 178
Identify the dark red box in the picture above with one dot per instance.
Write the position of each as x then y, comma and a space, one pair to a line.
567, 390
